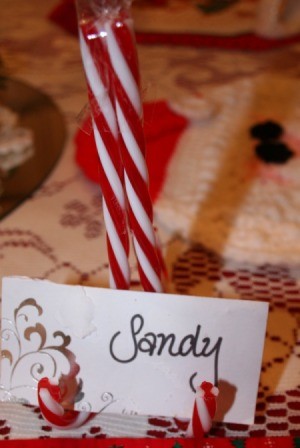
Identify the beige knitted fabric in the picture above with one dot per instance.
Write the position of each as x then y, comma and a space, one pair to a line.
216, 191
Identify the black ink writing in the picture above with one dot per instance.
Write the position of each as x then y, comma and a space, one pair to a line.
159, 343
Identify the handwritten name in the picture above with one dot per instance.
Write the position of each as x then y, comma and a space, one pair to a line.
160, 343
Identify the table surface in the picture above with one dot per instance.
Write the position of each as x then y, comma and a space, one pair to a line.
58, 233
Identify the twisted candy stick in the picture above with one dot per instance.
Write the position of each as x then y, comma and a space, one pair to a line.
204, 410
126, 83
49, 398
106, 137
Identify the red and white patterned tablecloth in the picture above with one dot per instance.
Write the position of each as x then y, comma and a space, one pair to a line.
58, 233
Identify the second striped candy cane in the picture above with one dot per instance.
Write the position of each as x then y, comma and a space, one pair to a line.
126, 84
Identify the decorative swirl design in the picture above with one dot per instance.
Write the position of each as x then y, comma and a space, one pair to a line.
30, 352
108, 399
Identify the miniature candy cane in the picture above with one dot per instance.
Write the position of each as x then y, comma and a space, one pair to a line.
126, 83
49, 398
105, 130
204, 410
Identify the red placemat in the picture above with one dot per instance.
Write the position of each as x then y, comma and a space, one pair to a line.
64, 15
270, 442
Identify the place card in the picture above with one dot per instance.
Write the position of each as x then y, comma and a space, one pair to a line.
132, 352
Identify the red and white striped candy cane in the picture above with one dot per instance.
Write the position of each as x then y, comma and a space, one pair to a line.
49, 398
204, 410
126, 83
105, 129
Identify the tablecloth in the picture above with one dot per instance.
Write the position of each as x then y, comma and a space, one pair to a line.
58, 233
274, 442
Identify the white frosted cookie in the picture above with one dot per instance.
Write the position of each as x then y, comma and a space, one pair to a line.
8, 119
16, 143
16, 146
217, 192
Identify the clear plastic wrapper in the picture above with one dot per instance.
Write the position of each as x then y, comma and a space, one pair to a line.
88, 10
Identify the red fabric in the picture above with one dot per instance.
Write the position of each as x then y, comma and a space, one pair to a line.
162, 129
64, 15
270, 442
238, 42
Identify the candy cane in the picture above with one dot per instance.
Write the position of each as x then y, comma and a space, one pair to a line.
125, 73
106, 137
204, 410
49, 398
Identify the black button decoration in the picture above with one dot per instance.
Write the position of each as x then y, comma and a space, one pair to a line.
273, 152
270, 149
268, 130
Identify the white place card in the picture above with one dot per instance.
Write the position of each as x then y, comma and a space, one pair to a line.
132, 352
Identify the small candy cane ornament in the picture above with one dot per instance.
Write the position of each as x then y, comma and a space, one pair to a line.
204, 410
49, 398
126, 83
